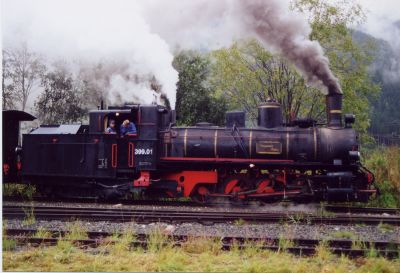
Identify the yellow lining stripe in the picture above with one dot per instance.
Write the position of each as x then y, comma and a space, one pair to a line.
315, 143
269, 153
335, 111
185, 142
269, 106
250, 142
287, 144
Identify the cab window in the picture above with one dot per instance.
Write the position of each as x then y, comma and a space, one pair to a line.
118, 119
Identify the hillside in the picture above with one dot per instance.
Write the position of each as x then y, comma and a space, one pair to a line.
385, 70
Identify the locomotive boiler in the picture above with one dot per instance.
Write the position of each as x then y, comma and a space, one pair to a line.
272, 161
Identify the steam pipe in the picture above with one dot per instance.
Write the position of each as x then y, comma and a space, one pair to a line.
173, 117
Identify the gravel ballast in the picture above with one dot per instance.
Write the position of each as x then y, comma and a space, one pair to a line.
290, 229
287, 231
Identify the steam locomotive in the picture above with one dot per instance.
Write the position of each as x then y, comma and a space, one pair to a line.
273, 161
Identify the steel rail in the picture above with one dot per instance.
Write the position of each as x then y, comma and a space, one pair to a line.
162, 215
298, 246
89, 200
188, 203
368, 210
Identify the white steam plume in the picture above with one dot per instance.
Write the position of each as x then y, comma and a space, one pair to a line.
95, 31
140, 34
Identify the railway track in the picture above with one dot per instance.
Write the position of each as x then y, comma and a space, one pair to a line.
188, 203
179, 215
89, 200
295, 246
367, 210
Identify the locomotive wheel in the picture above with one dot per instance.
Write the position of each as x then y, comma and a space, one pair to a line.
234, 185
200, 195
264, 185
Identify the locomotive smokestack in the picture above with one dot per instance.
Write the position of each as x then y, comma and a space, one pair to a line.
173, 117
289, 34
334, 109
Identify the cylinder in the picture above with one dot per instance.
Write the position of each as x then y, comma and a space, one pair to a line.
270, 115
334, 110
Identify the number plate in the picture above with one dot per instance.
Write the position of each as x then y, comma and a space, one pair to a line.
148, 151
269, 147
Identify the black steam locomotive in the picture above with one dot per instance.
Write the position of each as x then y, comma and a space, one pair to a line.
301, 161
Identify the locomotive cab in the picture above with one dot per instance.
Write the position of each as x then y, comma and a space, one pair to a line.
58, 153
99, 119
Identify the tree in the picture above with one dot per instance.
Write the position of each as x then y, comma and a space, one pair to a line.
8, 95
60, 101
195, 101
349, 60
247, 75
23, 71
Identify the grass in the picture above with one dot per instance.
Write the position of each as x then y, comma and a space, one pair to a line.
357, 244
239, 222
76, 231
383, 227
299, 218
42, 233
284, 243
385, 164
8, 244
196, 254
29, 216
344, 234
23, 190
322, 212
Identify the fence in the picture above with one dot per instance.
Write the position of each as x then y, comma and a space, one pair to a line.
387, 139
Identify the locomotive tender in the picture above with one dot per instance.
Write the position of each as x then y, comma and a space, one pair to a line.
301, 161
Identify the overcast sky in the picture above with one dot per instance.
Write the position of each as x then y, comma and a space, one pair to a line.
380, 17
382, 9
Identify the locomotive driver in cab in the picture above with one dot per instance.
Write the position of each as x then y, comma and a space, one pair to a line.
111, 127
127, 128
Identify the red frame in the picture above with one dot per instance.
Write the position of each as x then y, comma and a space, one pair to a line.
191, 179
114, 155
143, 180
227, 159
131, 151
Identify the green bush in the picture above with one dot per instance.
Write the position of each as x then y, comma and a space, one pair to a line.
26, 191
385, 164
